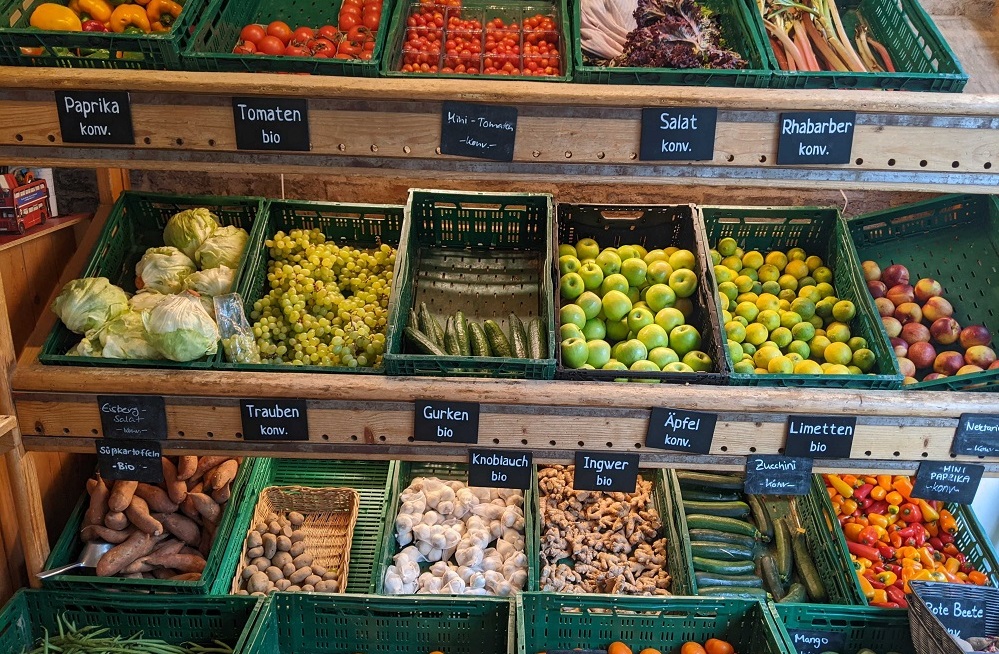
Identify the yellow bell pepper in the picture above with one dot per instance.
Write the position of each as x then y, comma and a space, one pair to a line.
99, 10
929, 575
125, 16
163, 14
50, 16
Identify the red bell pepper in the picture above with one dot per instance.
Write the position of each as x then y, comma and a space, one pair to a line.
946, 537
909, 512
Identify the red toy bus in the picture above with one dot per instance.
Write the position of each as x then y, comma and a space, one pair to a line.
22, 206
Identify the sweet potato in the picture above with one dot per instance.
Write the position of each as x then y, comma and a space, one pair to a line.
223, 494
156, 498
100, 533
207, 537
178, 562
121, 494
118, 558
138, 565
224, 474
187, 576
138, 513
164, 573
176, 488
99, 493
205, 464
180, 526
206, 506
186, 465
115, 520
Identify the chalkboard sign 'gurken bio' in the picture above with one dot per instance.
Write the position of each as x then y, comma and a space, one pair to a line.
446, 422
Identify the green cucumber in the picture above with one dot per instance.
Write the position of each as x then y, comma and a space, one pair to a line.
721, 551
709, 480
450, 341
518, 337
771, 579
715, 536
719, 566
430, 326
795, 594
536, 340
760, 516
423, 343
807, 571
699, 495
461, 334
785, 557
497, 340
413, 321
736, 581
732, 593
731, 525
477, 340
735, 509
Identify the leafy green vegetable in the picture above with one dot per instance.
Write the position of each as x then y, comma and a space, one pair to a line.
188, 229
223, 248
181, 329
89, 302
163, 269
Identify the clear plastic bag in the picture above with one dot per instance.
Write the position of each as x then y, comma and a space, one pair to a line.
238, 342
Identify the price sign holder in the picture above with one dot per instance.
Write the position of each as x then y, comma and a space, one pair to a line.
770, 474
807, 138
446, 422
95, 117
947, 481
977, 435
133, 416
820, 437
478, 130
681, 431
272, 124
274, 420
678, 134
130, 460
604, 471
500, 468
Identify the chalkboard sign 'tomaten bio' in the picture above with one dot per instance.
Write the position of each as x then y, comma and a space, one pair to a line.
272, 124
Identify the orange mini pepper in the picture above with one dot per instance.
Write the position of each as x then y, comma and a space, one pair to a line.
878, 520
947, 521
880, 596
884, 481
926, 558
894, 498
887, 577
852, 530
163, 14
978, 578
904, 487
952, 565
848, 507
878, 493
851, 479
866, 587
932, 528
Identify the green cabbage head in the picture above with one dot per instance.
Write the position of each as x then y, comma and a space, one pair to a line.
223, 248
188, 229
163, 270
180, 328
125, 337
89, 302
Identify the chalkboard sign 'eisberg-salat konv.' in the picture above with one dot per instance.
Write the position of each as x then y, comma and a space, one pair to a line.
678, 134
815, 137
100, 117
272, 124
133, 416
478, 130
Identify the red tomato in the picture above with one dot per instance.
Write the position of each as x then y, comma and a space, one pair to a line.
369, 46
270, 45
302, 35
280, 30
349, 21
351, 9
366, 55
316, 46
327, 32
245, 47
358, 34
296, 51
371, 20
252, 33
351, 3
348, 48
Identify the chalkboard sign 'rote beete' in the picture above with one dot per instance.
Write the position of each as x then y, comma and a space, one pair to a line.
274, 420
98, 117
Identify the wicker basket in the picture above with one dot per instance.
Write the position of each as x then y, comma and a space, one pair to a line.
330, 516
929, 636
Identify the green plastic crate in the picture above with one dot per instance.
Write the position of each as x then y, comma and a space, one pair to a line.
820, 231
863, 626
299, 623
406, 472
134, 51
834, 570
486, 254
955, 240
175, 620
918, 50
547, 621
358, 225
210, 47
511, 11
651, 226
371, 479
741, 34
67, 550
136, 223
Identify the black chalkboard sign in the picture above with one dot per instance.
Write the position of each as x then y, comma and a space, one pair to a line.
103, 117
271, 124
962, 616
478, 130
977, 435
682, 431
815, 137
808, 641
678, 134
500, 468
820, 437
603, 471
770, 474
130, 460
274, 420
133, 416
947, 481
446, 422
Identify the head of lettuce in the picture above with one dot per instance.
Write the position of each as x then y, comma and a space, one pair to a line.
180, 329
188, 229
89, 302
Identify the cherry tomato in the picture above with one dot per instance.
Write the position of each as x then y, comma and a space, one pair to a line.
296, 51
302, 35
280, 30
270, 45
252, 33
327, 32
349, 21
245, 47
371, 20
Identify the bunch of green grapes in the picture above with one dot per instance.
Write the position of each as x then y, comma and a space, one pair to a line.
327, 305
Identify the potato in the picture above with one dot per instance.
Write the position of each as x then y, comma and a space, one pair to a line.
296, 518
253, 539
258, 583
249, 571
282, 584
300, 575
273, 573
287, 530
297, 549
331, 576
283, 543
258, 594
261, 528
241, 592
288, 569
318, 569
307, 588
271, 517
270, 545
294, 589
261, 563
312, 580
303, 560
297, 536
322, 588
274, 527
281, 559
255, 552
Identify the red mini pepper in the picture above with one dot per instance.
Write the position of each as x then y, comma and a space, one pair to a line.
868, 536
886, 605
94, 26
887, 552
909, 512
936, 543
896, 595
880, 507
864, 551
863, 491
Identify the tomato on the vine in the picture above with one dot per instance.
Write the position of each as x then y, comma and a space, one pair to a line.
280, 30
349, 21
296, 51
358, 34
327, 32
302, 35
371, 20
252, 33
245, 47
270, 45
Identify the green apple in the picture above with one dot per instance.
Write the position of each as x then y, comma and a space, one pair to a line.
628, 252
609, 262
678, 366
617, 330
683, 282
663, 356
682, 259
638, 318
655, 255
684, 339
744, 367
614, 282
587, 248
645, 366
653, 336
567, 264
572, 314
659, 297
658, 272
594, 329
698, 360
634, 295
569, 330
614, 364
574, 352
631, 351
566, 249
634, 270
669, 318
599, 353
616, 305
571, 286
590, 303
592, 275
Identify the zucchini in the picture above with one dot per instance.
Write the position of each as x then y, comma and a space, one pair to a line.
422, 342
536, 340
733, 581
477, 340
497, 340
450, 341
785, 557
733, 593
807, 571
461, 333
518, 337
721, 551
719, 523
709, 480
735, 509
719, 566
760, 516
796, 594
699, 495
715, 536
771, 579
413, 321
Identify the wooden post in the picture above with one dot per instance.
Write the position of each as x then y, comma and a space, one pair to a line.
110, 184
